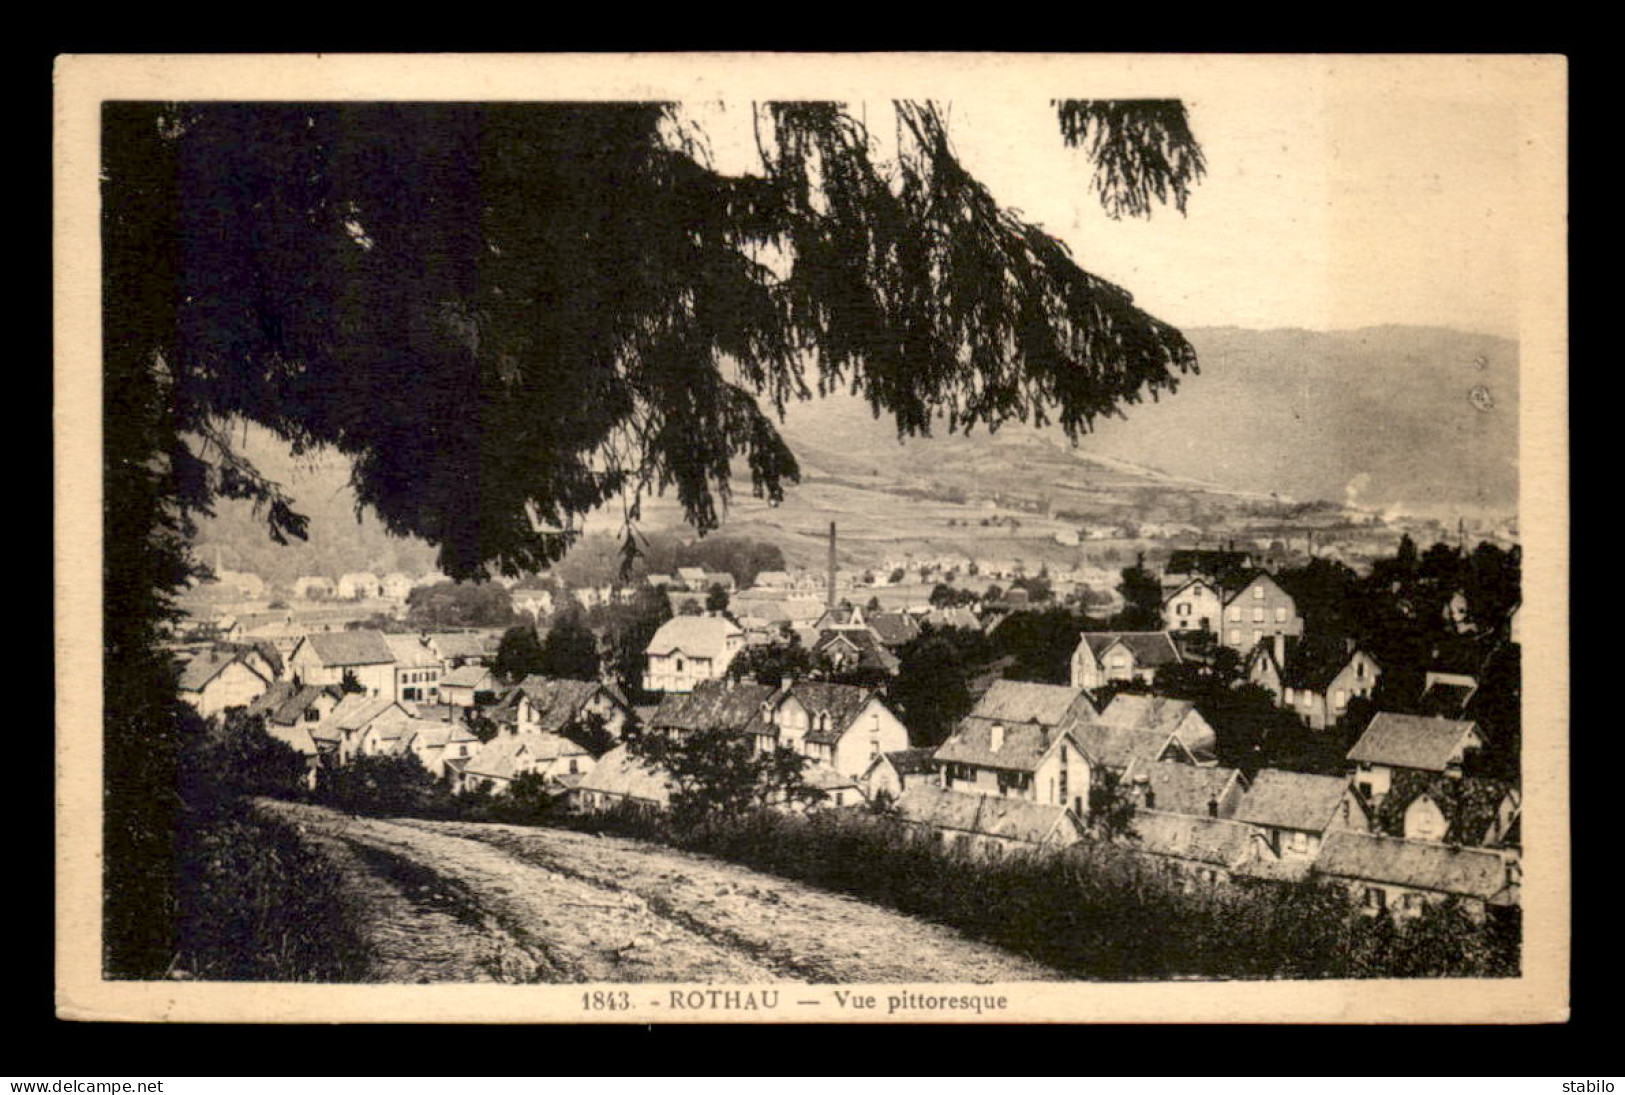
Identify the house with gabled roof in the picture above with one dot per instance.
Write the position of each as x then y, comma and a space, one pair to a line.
1393, 743
1105, 656
693, 578
988, 825
554, 757
1315, 677
1138, 711
1018, 742
1446, 695
460, 648
844, 726
360, 585
731, 706
323, 657
215, 681
417, 669
621, 779
469, 686
343, 732
555, 705
1257, 607
687, 650
1473, 811
893, 773
287, 705
854, 648
1178, 788
893, 629
1198, 849
1195, 605
1295, 810
1401, 877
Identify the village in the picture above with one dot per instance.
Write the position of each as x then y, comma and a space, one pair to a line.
1131, 749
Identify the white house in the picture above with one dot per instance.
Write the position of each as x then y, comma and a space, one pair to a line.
1195, 606
359, 586
1105, 656
323, 657
216, 681
1017, 742
690, 649
417, 669
841, 725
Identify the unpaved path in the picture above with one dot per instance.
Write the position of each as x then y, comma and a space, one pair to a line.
458, 901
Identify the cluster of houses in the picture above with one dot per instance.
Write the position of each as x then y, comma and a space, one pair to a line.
1405, 827
1027, 769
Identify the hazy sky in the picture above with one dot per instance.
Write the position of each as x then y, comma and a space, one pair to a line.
1338, 195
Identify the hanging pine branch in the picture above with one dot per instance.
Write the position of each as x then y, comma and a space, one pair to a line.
1142, 148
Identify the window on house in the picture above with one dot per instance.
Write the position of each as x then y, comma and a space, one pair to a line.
1340, 697
1375, 899
1258, 635
1235, 612
573, 766
1235, 635
312, 715
1280, 615
1359, 670
1258, 593
1258, 615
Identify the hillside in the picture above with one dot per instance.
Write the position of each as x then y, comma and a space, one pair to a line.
1378, 418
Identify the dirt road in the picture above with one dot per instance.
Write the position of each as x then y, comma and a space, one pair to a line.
450, 901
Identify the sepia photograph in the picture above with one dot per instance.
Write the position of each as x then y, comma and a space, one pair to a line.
781, 538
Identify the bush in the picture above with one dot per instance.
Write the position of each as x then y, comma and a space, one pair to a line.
257, 904
1097, 911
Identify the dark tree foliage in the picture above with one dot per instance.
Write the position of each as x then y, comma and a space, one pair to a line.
507, 315
624, 631
774, 663
947, 596
719, 773
385, 786
932, 688
716, 599
460, 604
1111, 807
350, 684
1142, 599
1040, 644
570, 650
1143, 150
519, 655
591, 732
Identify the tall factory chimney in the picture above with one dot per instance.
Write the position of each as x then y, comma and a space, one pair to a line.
832, 564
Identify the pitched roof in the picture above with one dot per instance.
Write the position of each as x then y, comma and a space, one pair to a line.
1180, 788
340, 648
1418, 864
1026, 701
840, 704
696, 636
713, 705
618, 772
357, 710
1446, 699
957, 616
508, 755
557, 702
871, 653
1150, 648
272, 699
1312, 661
1292, 800
912, 762
465, 676
982, 815
893, 628
410, 652
459, 644
206, 666
1470, 804
1023, 744
1212, 841
1135, 711
1117, 747
1411, 741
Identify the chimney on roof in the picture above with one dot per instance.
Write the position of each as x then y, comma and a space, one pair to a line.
998, 736
1212, 807
1150, 799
